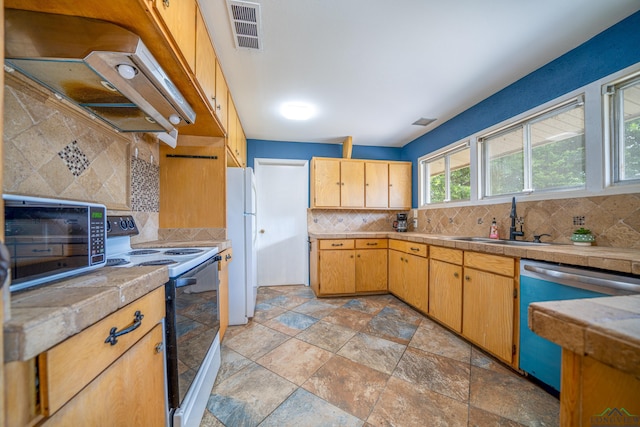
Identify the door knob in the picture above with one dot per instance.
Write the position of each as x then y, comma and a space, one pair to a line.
262, 231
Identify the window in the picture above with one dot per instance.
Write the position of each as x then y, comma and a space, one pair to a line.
447, 175
625, 127
541, 153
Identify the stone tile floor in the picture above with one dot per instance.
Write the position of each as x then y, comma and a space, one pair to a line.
365, 361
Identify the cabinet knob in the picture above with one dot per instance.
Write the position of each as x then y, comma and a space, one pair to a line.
165, 3
358, 255
337, 183
343, 183
467, 278
159, 347
456, 275
351, 256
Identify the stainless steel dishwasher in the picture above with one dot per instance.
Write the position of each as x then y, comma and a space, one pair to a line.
542, 281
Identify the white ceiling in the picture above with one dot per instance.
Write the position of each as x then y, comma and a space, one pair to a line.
373, 67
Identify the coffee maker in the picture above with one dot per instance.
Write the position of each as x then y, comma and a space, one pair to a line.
400, 224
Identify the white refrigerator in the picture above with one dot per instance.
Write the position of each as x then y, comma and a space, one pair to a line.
241, 230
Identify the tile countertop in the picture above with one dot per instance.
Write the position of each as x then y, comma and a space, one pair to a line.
606, 329
614, 259
47, 315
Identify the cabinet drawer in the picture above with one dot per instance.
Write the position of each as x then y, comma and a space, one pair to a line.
419, 249
72, 364
371, 243
453, 256
492, 263
337, 244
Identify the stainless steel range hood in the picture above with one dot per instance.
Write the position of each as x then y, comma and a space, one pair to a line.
99, 66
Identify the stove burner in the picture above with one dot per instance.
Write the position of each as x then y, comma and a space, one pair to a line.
112, 262
143, 252
165, 261
183, 251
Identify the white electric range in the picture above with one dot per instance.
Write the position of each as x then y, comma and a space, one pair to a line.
192, 322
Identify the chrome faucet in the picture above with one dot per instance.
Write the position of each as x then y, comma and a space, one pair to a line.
514, 218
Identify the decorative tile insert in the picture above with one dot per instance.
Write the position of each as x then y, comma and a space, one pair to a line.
75, 160
145, 186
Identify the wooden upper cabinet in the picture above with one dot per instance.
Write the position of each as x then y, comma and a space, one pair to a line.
400, 185
360, 184
179, 17
325, 187
351, 184
205, 62
192, 189
221, 106
376, 184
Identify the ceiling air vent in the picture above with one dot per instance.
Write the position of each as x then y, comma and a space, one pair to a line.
245, 24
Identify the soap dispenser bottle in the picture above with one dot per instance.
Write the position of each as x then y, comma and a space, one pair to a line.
493, 230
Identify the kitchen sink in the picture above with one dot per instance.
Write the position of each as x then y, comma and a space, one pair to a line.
496, 241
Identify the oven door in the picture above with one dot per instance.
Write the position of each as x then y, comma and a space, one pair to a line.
192, 325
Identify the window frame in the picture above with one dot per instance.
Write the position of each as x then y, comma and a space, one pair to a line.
525, 125
445, 153
614, 121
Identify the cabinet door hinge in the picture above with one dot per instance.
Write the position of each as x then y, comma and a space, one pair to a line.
515, 293
513, 350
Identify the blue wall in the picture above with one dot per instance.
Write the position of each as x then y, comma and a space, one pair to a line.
261, 149
614, 49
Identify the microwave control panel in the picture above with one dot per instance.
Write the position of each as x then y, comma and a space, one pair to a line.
97, 235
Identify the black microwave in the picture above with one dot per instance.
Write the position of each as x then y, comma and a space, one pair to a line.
51, 239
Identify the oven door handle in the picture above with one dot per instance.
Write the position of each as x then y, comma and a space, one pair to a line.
187, 281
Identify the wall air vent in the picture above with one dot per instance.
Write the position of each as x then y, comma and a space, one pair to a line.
245, 24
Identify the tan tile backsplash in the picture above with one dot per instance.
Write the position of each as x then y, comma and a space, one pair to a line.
614, 220
51, 150
336, 221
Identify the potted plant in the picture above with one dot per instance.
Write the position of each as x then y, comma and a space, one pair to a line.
582, 237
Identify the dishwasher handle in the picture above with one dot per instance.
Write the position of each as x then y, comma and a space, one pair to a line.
588, 282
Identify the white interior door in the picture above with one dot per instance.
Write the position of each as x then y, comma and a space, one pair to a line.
282, 200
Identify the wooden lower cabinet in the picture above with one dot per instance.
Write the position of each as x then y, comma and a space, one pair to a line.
371, 270
488, 308
445, 293
223, 290
337, 272
129, 392
409, 273
396, 274
87, 381
348, 266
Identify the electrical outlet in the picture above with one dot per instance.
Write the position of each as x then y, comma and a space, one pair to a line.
415, 222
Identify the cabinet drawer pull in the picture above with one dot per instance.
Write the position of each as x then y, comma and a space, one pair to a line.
336, 244
113, 334
227, 257
372, 244
415, 249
